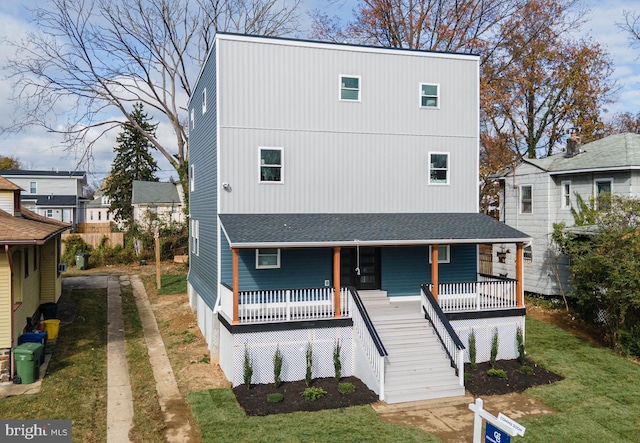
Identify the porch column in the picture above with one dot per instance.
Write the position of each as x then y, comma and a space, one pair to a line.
336, 282
434, 270
234, 271
519, 276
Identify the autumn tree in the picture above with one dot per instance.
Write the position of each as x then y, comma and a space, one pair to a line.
625, 122
9, 162
133, 161
98, 57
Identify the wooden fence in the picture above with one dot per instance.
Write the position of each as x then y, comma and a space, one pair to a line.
113, 239
94, 228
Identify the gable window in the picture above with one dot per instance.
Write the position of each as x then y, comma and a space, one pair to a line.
204, 100
271, 165
193, 119
267, 258
195, 237
443, 254
566, 194
350, 88
33, 188
429, 96
192, 178
526, 206
603, 193
438, 168
527, 254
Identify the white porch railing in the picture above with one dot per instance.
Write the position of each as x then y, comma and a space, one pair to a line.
448, 336
487, 294
279, 305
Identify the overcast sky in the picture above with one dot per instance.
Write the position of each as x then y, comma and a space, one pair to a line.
36, 149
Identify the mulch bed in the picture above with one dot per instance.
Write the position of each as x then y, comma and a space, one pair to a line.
478, 383
254, 400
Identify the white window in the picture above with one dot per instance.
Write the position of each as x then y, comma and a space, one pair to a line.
438, 168
566, 195
603, 192
49, 213
90, 215
527, 254
204, 100
153, 209
99, 215
193, 119
192, 178
271, 165
267, 258
429, 96
33, 188
195, 237
350, 88
526, 206
107, 216
443, 254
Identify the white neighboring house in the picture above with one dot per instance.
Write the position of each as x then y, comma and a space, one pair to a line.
541, 192
157, 200
58, 195
97, 210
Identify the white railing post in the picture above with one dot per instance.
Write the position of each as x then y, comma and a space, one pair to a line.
287, 295
460, 364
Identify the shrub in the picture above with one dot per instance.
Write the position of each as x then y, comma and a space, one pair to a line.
275, 397
74, 244
247, 368
337, 365
520, 341
309, 374
472, 349
277, 368
500, 373
494, 349
526, 370
346, 388
312, 394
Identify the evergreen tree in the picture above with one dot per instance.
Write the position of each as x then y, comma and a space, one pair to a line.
133, 161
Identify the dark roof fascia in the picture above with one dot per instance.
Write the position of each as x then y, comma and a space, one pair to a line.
34, 173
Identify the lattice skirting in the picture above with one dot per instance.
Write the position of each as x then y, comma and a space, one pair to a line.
293, 346
484, 329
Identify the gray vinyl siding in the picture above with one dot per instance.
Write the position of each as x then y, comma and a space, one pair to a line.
368, 156
203, 201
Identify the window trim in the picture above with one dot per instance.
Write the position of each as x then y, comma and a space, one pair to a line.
521, 202
564, 195
193, 119
448, 254
260, 165
340, 88
192, 178
278, 262
33, 187
448, 169
204, 101
195, 237
421, 95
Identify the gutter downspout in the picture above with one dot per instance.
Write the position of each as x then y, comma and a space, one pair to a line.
11, 320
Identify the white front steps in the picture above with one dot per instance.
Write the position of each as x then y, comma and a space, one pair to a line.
417, 367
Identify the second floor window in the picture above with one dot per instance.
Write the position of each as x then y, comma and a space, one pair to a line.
429, 96
603, 193
566, 194
350, 88
33, 188
204, 100
195, 237
438, 168
271, 165
526, 206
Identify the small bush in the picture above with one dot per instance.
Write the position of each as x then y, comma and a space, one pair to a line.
467, 377
500, 373
309, 374
312, 394
520, 341
276, 397
346, 388
472, 349
494, 349
205, 359
277, 368
247, 368
337, 365
526, 370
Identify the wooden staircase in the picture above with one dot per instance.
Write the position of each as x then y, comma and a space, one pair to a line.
417, 367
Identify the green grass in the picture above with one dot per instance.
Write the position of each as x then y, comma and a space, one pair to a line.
597, 401
222, 420
75, 386
172, 284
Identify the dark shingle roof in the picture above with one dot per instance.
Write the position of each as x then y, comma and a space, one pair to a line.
154, 193
264, 230
53, 200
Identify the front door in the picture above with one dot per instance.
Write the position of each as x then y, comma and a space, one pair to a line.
361, 272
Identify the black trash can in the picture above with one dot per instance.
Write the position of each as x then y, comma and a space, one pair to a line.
49, 310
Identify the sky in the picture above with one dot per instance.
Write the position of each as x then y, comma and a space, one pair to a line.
36, 149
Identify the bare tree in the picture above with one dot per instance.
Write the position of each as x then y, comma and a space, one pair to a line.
90, 60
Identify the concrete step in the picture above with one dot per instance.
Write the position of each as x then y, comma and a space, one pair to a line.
408, 395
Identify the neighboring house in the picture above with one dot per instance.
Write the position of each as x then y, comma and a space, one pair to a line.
333, 199
97, 210
58, 195
541, 192
29, 269
157, 201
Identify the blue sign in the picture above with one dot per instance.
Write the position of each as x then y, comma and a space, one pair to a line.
495, 435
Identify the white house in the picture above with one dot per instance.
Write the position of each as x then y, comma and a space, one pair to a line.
157, 201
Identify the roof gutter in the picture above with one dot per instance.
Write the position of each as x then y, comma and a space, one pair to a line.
375, 243
586, 170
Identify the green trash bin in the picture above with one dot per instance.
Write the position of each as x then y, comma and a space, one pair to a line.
27, 358
82, 260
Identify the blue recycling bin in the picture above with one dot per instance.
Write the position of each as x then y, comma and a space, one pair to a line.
35, 337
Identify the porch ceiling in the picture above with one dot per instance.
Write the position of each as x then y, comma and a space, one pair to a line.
329, 230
